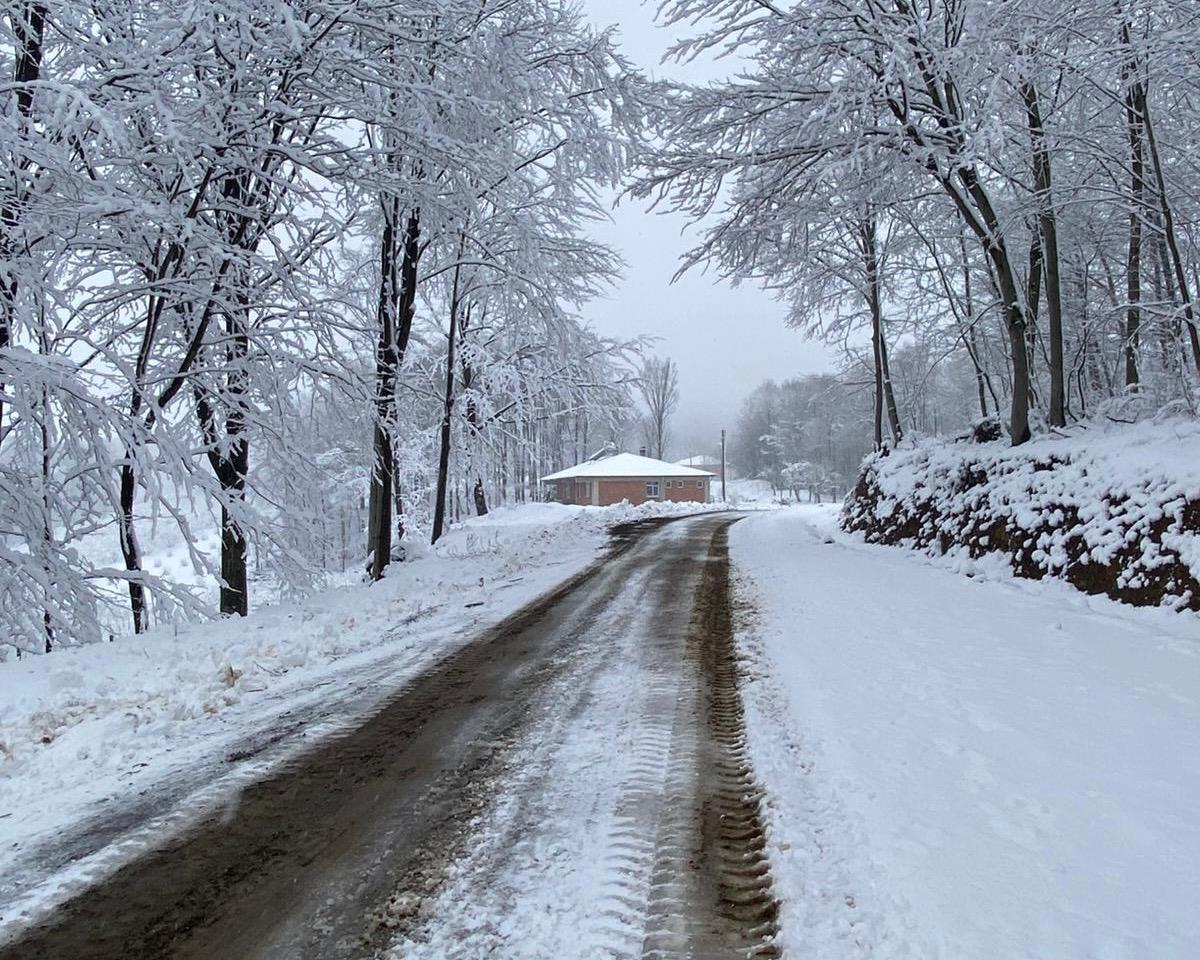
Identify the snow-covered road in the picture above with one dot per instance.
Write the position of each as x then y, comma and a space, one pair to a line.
570, 784
973, 769
631, 827
135, 739
936, 766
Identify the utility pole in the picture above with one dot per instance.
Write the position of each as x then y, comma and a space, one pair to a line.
723, 498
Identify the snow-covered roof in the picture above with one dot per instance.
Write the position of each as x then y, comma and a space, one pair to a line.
627, 465
698, 461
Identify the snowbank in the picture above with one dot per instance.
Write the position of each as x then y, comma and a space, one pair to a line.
961, 769
96, 727
1112, 511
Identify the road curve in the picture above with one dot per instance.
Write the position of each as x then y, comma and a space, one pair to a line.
312, 861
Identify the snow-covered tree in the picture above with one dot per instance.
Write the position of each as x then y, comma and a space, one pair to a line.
241, 246
1023, 167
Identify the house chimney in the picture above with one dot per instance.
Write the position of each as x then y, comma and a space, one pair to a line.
641, 451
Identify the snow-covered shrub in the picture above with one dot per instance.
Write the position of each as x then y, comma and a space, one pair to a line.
1112, 511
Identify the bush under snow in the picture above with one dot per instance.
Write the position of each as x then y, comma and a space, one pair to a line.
1113, 511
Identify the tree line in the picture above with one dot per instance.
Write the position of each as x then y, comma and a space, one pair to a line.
308, 268
804, 434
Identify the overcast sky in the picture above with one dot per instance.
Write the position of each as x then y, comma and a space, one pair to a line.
725, 340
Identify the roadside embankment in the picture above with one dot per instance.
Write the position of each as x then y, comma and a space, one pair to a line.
1113, 511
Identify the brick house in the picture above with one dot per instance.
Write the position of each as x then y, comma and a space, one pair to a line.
628, 476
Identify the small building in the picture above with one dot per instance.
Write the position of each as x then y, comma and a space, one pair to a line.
711, 464
628, 476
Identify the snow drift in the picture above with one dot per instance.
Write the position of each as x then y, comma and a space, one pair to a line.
1113, 511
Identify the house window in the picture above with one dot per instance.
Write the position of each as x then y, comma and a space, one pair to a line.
652, 488
699, 484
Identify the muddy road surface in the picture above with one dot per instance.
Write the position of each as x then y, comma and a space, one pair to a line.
572, 784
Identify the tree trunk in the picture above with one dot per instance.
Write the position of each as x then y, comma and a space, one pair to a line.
1135, 112
47, 499
1048, 229
1189, 313
443, 475
28, 27
889, 393
130, 549
229, 457
235, 588
878, 418
1033, 297
379, 522
397, 301
970, 338
235, 594
478, 491
1033, 280
1054, 316
980, 385
1019, 412
230, 461
885, 396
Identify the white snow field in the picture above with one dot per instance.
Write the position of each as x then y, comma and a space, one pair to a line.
152, 729
966, 768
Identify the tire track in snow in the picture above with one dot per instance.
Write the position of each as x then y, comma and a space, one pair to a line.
712, 895
619, 924
515, 851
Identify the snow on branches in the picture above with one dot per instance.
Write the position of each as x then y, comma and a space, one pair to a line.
1008, 183
258, 259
